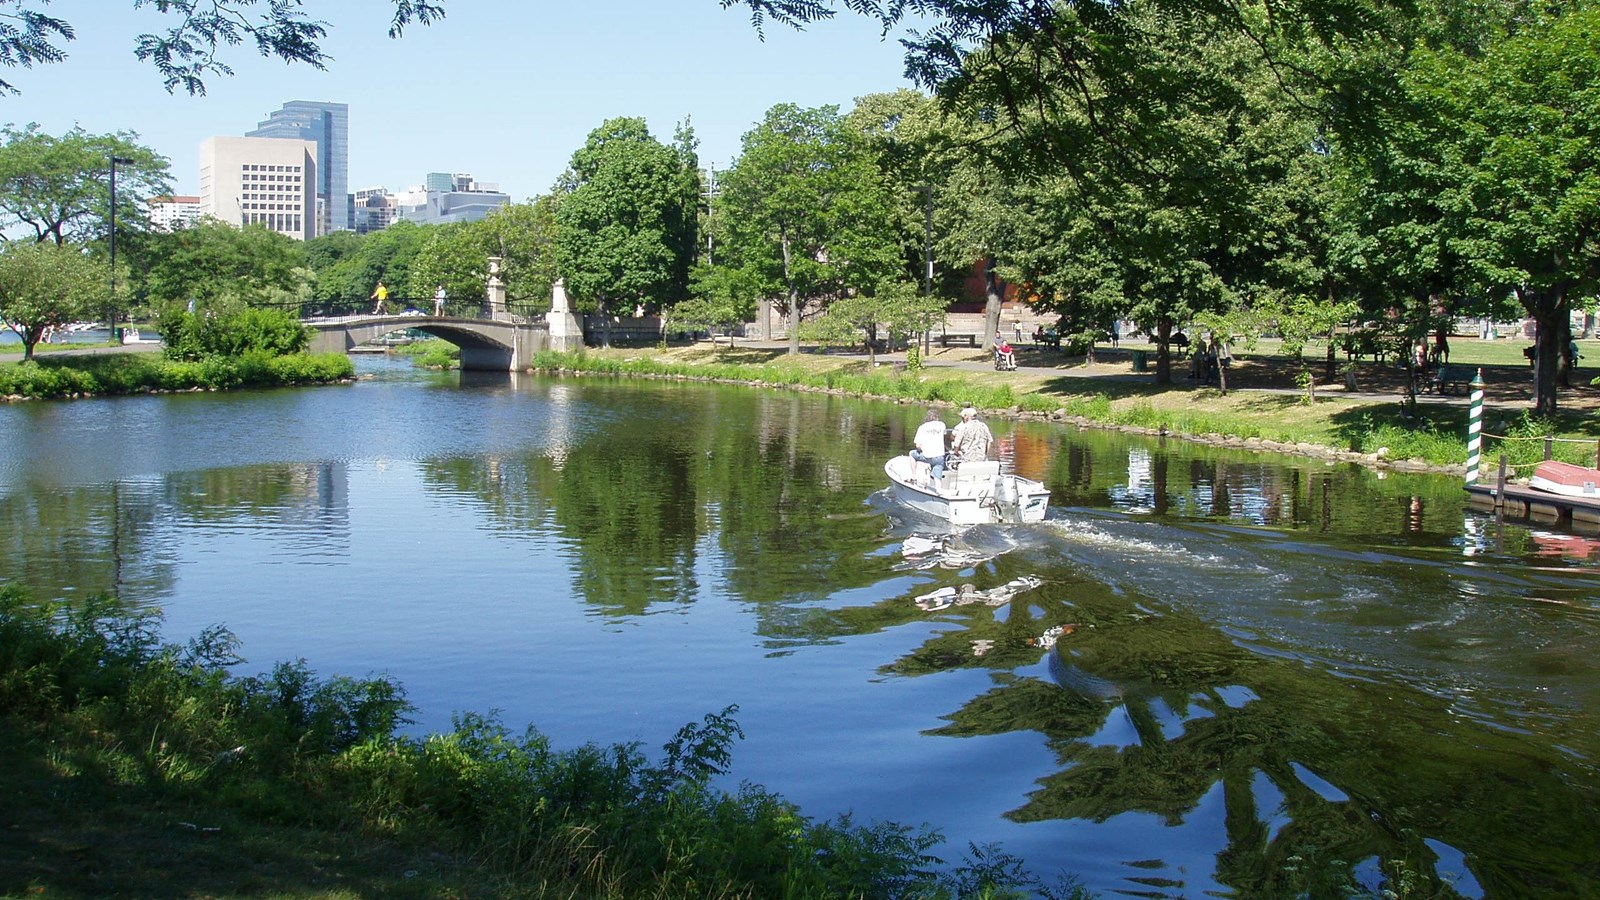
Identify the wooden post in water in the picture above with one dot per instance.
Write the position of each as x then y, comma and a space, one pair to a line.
1500, 485
1475, 430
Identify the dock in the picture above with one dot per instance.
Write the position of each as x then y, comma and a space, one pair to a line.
1520, 501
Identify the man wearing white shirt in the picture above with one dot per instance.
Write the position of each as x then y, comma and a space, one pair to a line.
930, 443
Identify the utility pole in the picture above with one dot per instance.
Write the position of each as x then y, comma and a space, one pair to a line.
927, 254
111, 315
711, 195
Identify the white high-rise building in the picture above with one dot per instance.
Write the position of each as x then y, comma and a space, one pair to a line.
172, 213
270, 181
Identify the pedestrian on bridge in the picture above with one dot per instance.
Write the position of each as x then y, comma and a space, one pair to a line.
438, 301
380, 296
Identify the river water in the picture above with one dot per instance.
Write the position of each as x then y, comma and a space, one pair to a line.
1270, 676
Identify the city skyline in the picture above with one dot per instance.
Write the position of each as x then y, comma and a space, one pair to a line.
540, 81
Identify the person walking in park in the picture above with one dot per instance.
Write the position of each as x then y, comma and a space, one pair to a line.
438, 301
380, 297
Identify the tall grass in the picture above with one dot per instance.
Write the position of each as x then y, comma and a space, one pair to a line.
595, 821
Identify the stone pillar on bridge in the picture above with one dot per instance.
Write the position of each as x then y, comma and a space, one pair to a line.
497, 293
565, 332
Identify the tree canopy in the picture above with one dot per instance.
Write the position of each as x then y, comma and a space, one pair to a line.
44, 286
627, 219
805, 212
60, 186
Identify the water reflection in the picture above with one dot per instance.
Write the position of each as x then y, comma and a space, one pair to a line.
1208, 671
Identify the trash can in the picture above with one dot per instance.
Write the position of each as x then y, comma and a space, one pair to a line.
1141, 360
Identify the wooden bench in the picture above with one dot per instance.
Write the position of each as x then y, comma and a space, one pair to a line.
971, 340
1451, 376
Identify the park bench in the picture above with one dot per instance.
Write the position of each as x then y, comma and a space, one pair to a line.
1451, 376
971, 340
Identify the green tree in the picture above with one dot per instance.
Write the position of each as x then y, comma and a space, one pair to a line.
60, 186
385, 256
44, 286
331, 257
523, 235
1517, 135
455, 257
215, 261
625, 233
189, 50
806, 211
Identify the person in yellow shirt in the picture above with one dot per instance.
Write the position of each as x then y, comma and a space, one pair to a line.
380, 294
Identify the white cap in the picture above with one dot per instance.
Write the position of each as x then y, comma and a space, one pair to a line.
968, 413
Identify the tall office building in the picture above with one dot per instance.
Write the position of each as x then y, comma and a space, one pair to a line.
270, 181
328, 126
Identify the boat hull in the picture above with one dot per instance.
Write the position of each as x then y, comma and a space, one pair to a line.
1566, 479
966, 501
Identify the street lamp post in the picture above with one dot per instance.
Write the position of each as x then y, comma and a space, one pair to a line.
111, 315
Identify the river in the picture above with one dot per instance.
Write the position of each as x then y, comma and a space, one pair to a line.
1271, 676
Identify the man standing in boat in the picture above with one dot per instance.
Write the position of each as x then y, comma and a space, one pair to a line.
930, 443
973, 439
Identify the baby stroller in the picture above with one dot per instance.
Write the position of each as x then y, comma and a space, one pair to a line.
1005, 360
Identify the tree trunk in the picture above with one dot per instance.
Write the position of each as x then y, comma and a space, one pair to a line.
994, 295
794, 301
1163, 351
1564, 338
1548, 309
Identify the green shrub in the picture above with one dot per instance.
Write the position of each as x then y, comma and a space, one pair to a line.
191, 336
289, 747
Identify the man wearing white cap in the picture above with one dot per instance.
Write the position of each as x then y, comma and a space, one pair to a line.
972, 438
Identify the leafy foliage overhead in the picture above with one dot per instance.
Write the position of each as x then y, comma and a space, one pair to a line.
190, 49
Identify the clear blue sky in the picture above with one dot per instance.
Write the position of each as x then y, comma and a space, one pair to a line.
502, 89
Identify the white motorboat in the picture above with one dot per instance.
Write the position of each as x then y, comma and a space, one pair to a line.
974, 492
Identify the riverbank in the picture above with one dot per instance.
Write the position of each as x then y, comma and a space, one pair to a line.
1265, 409
136, 768
115, 371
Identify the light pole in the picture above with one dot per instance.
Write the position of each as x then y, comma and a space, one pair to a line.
111, 315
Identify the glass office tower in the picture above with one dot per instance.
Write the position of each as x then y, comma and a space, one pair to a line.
328, 126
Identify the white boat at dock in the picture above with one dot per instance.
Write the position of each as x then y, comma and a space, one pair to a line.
973, 492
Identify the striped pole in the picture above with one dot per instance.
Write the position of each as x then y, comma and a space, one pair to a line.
1475, 430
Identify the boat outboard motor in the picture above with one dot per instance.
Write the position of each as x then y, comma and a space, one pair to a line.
1007, 501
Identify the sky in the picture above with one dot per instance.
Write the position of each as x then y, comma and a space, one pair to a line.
503, 90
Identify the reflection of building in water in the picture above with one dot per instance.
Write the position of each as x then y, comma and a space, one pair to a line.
1138, 471
1031, 453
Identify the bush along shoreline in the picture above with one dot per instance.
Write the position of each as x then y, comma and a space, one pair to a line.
142, 768
1381, 446
57, 377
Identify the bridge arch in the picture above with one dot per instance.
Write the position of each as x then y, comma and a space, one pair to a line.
486, 344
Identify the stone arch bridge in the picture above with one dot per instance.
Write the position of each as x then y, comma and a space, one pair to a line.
486, 344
